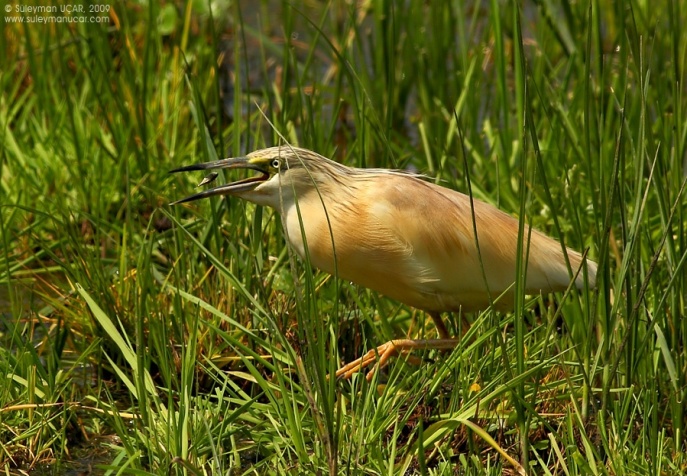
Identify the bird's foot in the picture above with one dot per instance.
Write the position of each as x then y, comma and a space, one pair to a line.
388, 350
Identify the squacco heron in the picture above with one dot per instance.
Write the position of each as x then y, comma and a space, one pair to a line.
399, 235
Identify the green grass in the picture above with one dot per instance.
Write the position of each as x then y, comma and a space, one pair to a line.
154, 340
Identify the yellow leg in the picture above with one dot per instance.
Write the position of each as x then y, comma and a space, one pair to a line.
399, 346
391, 348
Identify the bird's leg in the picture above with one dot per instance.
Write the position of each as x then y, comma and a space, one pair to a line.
399, 346
441, 327
388, 350
439, 324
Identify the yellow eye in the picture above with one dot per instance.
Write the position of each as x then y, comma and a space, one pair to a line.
275, 164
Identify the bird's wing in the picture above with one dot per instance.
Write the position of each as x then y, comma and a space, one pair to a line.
436, 224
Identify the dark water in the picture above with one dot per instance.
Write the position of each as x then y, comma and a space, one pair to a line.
17, 300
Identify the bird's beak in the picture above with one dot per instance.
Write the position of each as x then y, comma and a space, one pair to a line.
228, 188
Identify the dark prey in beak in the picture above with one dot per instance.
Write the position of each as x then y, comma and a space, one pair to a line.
228, 188
208, 179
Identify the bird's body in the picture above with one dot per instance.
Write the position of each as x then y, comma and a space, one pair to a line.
398, 234
420, 248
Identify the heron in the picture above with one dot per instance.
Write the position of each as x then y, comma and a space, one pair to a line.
419, 243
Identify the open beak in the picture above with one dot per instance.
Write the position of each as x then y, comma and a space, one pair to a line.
228, 188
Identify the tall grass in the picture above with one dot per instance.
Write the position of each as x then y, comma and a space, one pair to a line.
190, 340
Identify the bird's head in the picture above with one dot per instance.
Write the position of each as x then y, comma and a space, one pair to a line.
284, 172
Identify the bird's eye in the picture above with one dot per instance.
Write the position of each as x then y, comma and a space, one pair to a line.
275, 164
